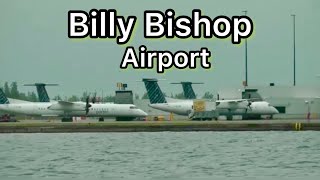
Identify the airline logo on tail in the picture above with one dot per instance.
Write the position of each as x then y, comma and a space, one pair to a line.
188, 90
42, 93
154, 92
3, 98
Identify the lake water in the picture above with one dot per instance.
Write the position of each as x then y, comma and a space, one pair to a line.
161, 155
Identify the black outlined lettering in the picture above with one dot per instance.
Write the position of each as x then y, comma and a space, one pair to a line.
154, 26
142, 57
129, 57
183, 27
227, 24
105, 23
126, 28
205, 55
94, 25
112, 20
199, 20
100, 24
169, 23
239, 33
78, 24
165, 59
178, 56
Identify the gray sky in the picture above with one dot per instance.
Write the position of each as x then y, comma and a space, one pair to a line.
34, 46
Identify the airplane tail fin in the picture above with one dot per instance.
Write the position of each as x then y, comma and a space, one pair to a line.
188, 90
3, 97
154, 92
41, 90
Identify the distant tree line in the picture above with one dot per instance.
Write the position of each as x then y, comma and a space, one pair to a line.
12, 91
207, 95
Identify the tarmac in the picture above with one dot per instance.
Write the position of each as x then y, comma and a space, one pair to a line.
39, 126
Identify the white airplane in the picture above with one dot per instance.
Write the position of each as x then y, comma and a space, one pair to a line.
226, 108
67, 109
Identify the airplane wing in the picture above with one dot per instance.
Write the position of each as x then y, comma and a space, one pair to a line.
68, 106
234, 101
50, 115
66, 103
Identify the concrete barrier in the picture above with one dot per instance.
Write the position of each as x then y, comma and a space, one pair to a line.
151, 126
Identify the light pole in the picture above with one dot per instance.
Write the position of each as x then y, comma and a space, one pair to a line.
294, 49
246, 54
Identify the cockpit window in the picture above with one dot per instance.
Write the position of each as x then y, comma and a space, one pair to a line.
133, 107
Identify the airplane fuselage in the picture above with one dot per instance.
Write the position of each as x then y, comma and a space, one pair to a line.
96, 110
185, 107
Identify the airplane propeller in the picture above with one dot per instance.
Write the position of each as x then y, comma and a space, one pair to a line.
93, 100
249, 106
88, 105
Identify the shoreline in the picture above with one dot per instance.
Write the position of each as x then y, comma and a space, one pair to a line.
159, 126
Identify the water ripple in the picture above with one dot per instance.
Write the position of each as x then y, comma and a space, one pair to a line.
169, 155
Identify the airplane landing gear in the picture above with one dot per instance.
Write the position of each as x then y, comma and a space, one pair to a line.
230, 117
101, 119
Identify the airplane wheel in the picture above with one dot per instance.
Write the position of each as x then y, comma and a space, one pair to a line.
101, 119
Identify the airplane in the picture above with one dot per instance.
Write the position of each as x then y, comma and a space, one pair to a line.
226, 108
67, 110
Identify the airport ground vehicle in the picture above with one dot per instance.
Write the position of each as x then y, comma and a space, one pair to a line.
205, 115
203, 110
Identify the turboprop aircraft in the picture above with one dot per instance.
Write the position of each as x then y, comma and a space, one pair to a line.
67, 109
226, 108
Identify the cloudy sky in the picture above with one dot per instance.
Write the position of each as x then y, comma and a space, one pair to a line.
34, 46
